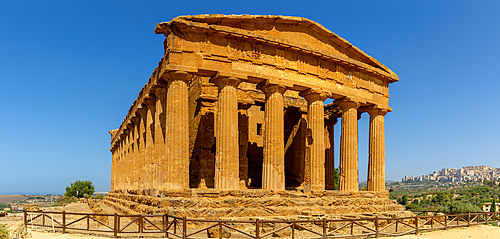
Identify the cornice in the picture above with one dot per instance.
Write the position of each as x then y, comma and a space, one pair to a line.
179, 23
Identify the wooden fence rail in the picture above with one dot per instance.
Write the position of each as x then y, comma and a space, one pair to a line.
185, 228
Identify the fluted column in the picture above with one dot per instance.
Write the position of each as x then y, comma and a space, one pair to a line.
376, 160
177, 131
122, 163
141, 143
349, 147
329, 155
227, 155
134, 157
118, 184
149, 155
159, 139
315, 155
128, 139
113, 168
273, 165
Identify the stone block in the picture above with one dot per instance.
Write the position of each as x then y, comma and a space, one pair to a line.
214, 232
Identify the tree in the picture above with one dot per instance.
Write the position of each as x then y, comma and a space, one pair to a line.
411, 206
79, 188
457, 206
336, 178
493, 207
403, 200
440, 198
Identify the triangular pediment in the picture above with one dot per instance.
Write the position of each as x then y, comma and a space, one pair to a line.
294, 30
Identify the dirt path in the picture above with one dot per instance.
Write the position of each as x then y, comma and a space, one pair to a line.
50, 235
480, 231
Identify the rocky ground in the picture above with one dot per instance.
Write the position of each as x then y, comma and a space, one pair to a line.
15, 224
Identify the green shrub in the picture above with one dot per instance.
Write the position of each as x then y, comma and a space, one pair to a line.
457, 206
4, 234
67, 200
411, 206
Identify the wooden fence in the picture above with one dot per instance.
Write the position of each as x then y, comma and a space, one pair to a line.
181, 227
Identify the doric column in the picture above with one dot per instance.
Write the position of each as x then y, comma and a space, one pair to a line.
113, 168
149, 156
141, 147
315, 156
127, 159
227, 154
122, 163
329, 155
159, 139
273, 165
376, 160
118, 177
134, 156
349, 146
177, 131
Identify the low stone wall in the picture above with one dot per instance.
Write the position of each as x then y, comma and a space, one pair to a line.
96, 209
18, 230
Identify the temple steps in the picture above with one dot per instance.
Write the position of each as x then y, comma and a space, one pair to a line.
252, 203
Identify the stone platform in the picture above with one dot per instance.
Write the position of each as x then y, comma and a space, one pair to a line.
252, 203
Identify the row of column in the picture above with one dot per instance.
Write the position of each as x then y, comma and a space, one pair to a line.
150, 160
150, 155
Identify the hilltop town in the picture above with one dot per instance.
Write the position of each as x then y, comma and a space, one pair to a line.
464, 174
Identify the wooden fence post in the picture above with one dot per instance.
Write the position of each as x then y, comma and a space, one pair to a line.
376, 226
25, 219
416, 224
257, 228
324, 227
166, 228
445, 222
165, 224
468, 219
141, 224
64, 222
184, 228
220, 229
115, 226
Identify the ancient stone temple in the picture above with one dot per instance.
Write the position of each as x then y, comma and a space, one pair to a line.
236, 109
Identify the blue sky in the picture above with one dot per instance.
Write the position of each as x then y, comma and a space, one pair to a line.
69, 71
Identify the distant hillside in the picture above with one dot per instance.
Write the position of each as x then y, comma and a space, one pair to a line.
464, 174
10, 198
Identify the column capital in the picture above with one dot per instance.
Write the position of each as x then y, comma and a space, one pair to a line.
347, 103
159, 89
269, 88
141, 110
312, 95
378, 110
151, 100
222, 81
179, 75
136, 119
